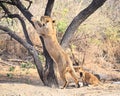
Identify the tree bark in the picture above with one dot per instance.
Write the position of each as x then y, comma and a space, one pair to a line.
49, 7
79, 19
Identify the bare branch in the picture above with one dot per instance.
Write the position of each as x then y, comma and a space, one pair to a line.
23, 10
10, 15
4, 8
30, 48
2, 16
30, 2
6, 63
6, 1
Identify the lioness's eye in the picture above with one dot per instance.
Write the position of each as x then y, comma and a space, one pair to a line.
53, 21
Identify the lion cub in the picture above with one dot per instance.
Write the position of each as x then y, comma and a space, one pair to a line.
87, 78
46, 29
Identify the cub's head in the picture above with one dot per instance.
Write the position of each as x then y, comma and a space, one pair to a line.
47, 24
79, 70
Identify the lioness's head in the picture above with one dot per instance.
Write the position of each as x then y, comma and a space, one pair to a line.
47, 24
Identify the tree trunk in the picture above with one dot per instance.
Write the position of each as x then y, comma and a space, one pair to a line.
49, 67
49, 73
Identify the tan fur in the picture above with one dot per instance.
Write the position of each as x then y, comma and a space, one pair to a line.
90, 79
47, 30
87, 78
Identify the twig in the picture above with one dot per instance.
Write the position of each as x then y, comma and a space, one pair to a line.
30, 2
16, 60
8, 2
4, 62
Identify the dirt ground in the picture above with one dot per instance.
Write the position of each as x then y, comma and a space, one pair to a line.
25, 82
22, 89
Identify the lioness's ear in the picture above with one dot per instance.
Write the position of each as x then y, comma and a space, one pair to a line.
53, 21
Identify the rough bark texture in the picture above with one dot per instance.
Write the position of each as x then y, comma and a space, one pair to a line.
81, 17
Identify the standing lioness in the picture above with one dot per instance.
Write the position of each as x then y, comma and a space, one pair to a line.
47, 30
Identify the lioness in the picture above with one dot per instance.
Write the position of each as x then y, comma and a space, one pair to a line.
87, 78
47, 30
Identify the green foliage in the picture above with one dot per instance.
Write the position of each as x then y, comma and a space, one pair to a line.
64, 12
113, 33
12, 68
72, 46
61, 26
95, 41
41, 57
27, 65
10, 75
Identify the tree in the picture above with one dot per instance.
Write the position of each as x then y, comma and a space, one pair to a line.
47, 76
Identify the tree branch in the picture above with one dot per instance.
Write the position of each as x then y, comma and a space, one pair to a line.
8, 2
23, 10
30, 48
10, 15
49, 7
30, 2
81, 17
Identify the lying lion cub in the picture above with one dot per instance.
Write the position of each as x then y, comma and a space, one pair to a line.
87, 78
46, 29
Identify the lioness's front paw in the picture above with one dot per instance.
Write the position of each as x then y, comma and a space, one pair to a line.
33, 19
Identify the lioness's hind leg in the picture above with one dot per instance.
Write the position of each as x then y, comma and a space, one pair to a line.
63, 77
72, 72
